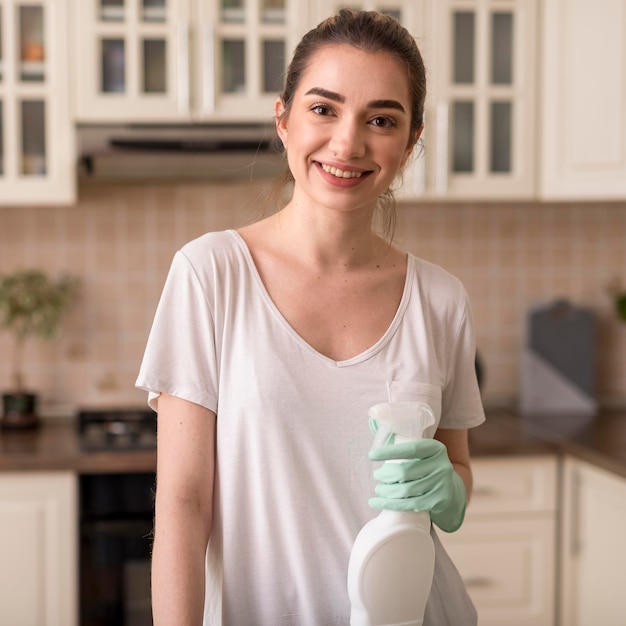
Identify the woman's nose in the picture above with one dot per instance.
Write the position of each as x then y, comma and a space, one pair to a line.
347, 141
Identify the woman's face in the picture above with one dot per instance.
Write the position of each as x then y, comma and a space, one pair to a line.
347, 133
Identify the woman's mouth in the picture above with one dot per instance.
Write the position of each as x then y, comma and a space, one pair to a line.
339, 173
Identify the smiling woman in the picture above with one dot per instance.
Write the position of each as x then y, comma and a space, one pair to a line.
348, 126
271, 344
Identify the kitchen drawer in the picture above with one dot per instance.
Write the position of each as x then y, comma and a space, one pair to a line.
522, 485
508, 569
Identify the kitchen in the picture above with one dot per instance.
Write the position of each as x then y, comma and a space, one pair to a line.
559, 233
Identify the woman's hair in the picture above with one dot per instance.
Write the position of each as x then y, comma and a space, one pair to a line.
369, 31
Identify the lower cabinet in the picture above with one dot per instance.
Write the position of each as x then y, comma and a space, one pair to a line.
506, 548
593, 546
38, 548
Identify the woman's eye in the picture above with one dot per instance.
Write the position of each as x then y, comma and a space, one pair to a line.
382, 121
321, 109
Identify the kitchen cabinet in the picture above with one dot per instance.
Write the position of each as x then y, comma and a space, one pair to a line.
481, 113
36, 132
593, 546
38, 543
182, 60
583, 100
506, 548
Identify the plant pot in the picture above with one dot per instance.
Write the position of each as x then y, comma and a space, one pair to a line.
19, 411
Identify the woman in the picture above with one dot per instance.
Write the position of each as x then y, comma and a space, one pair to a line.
271, 343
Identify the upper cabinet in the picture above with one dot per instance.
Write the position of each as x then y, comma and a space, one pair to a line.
36, 132
481, 111
182, 60
583, 100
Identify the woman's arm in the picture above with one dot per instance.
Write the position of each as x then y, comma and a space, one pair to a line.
183, 510
457, 446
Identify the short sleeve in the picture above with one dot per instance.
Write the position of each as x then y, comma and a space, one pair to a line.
461, 402
180, 355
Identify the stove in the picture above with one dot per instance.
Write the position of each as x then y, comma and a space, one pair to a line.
117, 429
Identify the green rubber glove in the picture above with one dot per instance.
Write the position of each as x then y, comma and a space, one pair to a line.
423, 481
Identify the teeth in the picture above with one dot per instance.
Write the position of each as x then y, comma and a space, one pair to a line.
335, 171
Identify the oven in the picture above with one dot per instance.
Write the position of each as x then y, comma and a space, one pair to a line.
116, 523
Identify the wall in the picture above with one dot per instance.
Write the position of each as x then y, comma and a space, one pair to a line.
120, 241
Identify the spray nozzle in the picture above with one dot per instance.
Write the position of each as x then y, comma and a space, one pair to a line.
399, 422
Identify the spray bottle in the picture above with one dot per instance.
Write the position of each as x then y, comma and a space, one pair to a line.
392, 561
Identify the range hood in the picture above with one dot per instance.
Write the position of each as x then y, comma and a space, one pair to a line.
158, 152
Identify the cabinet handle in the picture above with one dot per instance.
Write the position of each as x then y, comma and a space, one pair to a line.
442, 130
183, 66
208, 66
478, 581
575, 540
484, 492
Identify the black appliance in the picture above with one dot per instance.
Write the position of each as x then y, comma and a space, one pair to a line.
116, 523
117, 429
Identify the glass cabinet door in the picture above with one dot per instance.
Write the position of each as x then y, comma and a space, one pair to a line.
244, 46
133, 60
183, 60
35, 125
485, 96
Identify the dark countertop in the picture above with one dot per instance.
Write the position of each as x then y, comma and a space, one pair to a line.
55, 446
600, 440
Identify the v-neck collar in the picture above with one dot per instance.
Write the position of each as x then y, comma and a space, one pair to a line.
358, 358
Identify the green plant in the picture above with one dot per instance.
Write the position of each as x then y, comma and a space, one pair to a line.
31, 306
618, 294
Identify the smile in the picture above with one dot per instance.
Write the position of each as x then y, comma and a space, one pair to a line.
335, 171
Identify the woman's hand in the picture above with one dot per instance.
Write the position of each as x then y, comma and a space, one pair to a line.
421, 479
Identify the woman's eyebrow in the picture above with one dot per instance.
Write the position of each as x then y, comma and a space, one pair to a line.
385, 104
324, 93
337, 97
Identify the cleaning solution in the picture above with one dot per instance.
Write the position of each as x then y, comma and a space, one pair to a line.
392, 561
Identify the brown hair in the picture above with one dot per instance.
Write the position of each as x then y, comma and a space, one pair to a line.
372, 32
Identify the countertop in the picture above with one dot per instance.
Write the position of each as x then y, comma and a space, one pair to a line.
600, 440
55, 446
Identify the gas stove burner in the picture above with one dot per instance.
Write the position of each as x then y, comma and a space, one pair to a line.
117, 429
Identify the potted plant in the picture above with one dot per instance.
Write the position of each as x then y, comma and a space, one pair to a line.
31, 306
618, 294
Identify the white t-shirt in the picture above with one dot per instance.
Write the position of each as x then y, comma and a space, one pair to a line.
293, 477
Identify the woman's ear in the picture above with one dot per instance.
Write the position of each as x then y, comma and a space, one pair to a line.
281, 120
412, 143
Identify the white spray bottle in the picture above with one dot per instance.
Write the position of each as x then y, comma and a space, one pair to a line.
391, 566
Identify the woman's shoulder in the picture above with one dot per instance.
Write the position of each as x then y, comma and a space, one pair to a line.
214, 249
214, 243
436, 279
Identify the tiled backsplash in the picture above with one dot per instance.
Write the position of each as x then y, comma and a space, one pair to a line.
120, 240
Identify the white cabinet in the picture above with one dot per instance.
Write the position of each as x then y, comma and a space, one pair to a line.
583, 100
506, 548
480, 119
182, 60
36, 132
593, 546
38, 544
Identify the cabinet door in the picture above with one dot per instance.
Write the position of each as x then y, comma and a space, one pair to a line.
480, 135
508, 568
38, 544
132, 60
594, 546
242, 50
36, 135
506, 548
583, 100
